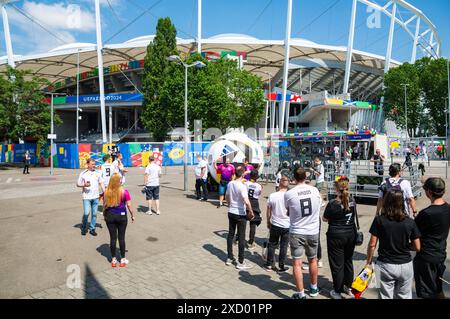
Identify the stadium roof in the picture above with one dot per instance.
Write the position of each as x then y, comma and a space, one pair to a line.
264, 57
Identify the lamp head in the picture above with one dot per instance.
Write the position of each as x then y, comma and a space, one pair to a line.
199, 64
173, 58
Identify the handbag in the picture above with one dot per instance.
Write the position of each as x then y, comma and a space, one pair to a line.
359, 235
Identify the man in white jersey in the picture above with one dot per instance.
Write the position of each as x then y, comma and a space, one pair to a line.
119, 168
201, 175
237, 197
151, 182
278, 222
106, 169
90, 180
303, 206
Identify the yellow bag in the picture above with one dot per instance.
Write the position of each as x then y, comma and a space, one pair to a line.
361, 282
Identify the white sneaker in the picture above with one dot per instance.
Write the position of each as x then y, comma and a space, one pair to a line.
335, 295
320, 264
305, 267
348, 292
229, 261
149, 212
123, 262
158, 213
243, 266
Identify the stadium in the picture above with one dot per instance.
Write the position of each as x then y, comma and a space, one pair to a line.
328, 88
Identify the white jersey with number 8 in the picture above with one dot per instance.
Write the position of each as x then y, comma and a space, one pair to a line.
254, 189
303, 205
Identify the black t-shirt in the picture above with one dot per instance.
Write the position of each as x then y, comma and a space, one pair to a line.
433, 223
394, 239
379, 162
339, 220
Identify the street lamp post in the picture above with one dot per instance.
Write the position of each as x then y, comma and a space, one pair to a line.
406, 111
78, 97
268, 105
52, 128
197, 64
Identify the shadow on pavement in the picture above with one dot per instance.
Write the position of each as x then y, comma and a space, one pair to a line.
359, 256
142, 209
219, 253
224, 234
93, 289
169, 187
265, 282
105, 251
324, 283
96, 226
213, 202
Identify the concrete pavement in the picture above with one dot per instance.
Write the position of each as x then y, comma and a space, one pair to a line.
179, 254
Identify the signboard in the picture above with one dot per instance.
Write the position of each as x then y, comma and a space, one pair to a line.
51, 136
95, 98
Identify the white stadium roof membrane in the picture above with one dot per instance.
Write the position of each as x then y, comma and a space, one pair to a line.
263, 57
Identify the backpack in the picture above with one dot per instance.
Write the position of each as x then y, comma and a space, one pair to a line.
389, 186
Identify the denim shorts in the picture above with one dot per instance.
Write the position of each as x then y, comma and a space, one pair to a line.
223, 187
301, 244
152, 192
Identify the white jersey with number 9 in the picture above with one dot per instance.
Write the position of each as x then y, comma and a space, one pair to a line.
107, 171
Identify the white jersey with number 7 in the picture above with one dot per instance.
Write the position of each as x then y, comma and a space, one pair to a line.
303, 204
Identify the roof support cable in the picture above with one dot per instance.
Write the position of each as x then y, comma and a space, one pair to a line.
133, 21
34, 20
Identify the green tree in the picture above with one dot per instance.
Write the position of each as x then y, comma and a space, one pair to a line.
426, 95
23, 110
220, 94
434, 82
160, 106
394, 97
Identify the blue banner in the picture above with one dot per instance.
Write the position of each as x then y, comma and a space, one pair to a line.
173, 153
114, 97
19, 152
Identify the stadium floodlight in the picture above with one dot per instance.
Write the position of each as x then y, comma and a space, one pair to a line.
9, 50
198, 65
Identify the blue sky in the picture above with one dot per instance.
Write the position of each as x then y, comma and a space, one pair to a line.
321, 21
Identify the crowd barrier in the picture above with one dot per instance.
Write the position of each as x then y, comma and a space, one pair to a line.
75, 155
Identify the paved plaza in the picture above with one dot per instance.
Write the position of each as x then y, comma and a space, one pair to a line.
179, 254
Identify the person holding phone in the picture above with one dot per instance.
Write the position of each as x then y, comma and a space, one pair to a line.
90, 180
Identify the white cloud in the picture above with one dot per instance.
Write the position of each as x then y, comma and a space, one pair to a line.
63, 20
61, 16
103, 2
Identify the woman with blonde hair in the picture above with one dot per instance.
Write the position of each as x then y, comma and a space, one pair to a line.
116, 201
341, 236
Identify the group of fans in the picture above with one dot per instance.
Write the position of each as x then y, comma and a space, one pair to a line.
294, 218
110, 179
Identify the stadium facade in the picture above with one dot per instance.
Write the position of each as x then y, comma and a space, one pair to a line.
327, 87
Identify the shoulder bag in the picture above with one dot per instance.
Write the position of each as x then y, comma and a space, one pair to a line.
359, 235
